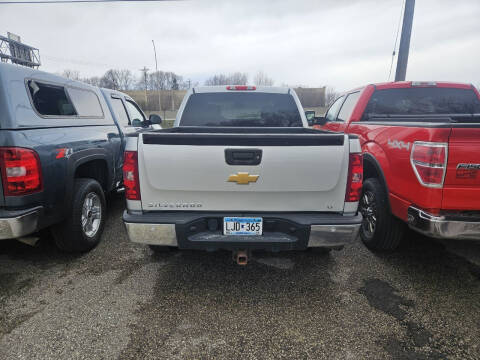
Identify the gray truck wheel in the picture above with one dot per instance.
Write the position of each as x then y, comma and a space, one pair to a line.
83, 228
380, 230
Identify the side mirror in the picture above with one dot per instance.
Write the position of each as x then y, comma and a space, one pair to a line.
319, 120
137, 123
310, 115
155, 119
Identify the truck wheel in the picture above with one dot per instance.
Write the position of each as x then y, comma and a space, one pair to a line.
82, 229
380, 230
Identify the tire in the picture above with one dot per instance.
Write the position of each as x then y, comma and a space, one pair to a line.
380, 230
88, 208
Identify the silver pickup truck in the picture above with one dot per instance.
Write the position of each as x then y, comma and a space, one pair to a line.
241, 170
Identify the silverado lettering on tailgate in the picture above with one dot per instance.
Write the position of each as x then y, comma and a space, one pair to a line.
179, 205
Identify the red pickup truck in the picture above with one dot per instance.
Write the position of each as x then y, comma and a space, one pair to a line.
421, 146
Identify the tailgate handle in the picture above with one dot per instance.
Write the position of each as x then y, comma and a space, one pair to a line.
243, 156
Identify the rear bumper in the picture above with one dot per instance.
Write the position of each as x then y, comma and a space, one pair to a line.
196, 230
443, 227
15, 224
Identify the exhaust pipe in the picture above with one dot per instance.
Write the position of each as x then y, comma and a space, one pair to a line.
241, 257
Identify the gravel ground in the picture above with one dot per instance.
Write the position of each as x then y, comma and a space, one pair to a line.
121, 301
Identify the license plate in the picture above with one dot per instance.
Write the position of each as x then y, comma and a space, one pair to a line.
242, 226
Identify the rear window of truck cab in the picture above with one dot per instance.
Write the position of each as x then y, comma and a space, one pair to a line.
422, 101
241, 109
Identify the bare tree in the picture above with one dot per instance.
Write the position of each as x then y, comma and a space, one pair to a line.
262, 79
94, 80
236, 78
330, 95
164, 80
125, 79
110, 80
175, 85
71, 74
219, 79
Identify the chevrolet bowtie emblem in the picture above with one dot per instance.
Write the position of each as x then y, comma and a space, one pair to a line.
243, 178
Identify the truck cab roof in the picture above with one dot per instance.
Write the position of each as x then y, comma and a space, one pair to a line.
246, 88
409, 84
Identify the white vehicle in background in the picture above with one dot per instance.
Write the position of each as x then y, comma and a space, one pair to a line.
241, 170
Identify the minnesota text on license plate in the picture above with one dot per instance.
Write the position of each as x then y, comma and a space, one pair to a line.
242, 225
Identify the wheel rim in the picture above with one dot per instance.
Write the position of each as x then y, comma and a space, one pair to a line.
368, 209
91, 214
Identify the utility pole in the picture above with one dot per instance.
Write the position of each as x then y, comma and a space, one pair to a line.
156, 70
402, 60
145, 71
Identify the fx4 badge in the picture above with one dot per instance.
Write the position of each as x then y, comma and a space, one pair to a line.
395, 144
243, 178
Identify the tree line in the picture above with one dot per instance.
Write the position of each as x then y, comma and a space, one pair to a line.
124, 79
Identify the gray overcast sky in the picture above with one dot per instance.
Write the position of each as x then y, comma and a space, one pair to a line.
339, 43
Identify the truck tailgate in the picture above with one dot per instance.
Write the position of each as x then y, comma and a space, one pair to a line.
297, 172
462, 181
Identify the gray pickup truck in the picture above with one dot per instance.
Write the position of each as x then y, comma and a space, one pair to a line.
61, 151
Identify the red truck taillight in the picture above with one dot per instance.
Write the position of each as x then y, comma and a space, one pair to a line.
241, 87
429, 162
130, 175
21, 171
355, 178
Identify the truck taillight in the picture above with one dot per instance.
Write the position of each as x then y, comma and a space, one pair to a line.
130, 175
21, 171
241, 87
423, 83
429, 162
355, 178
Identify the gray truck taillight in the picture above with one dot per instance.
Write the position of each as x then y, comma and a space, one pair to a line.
429, 162
21, 171
130, 175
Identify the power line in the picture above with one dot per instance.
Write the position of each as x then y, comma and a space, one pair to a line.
74, 1
396, 40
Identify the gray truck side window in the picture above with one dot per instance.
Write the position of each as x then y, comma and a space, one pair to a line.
333, 111
120, 112
135, 113
86, 102
50, 100
348, 106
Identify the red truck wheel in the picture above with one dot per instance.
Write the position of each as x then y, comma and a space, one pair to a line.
380, 230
